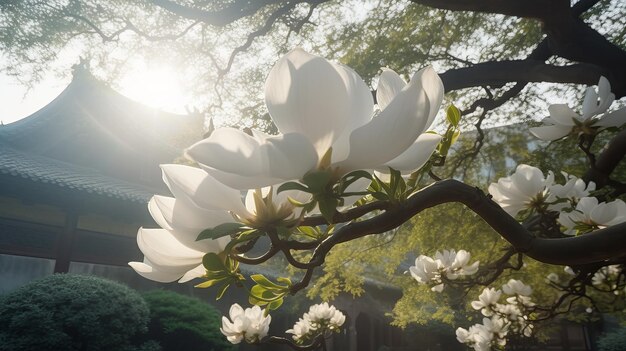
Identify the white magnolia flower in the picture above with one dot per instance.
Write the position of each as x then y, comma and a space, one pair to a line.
200, 202
487, 301
324, 314
516, 287
564, 121
425, 270
301, 329
455, 264
573, 190
498, 327
510, 311
605, 273
526, 188
318, 105
569, 270
593, 214
249, 324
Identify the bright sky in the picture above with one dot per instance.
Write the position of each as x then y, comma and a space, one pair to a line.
155, 86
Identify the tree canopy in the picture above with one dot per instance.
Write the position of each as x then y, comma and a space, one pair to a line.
500, 62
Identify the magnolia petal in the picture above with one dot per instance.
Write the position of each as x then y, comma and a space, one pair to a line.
612, 119
307, 94
362, 112
416, 155
550, 133
605, 95
259, 161
229, 150
433, 86
590, 103
562, 114
161, 248
197, 272
185, 221
389, 85
152, 273
198, 187
390, 133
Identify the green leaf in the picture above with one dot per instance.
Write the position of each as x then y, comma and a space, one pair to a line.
292, 186
221, 291
328, 207
266, 283
317, 181
453, 115
210, 283
284, 280
274, 305
221, 230
212, 262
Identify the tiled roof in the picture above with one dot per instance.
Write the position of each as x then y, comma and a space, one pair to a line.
45, 170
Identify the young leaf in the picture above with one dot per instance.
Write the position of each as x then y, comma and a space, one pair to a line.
453, 115
292, 186
213, 263
221, 230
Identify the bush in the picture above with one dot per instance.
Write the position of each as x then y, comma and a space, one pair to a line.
179, 322
73, 312
615, 341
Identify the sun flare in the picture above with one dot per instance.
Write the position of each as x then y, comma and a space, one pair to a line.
156, 86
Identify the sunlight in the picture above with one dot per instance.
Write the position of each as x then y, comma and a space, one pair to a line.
158, 86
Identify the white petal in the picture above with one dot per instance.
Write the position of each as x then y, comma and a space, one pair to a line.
231, 151
203, 190
590, 103
155, 274
433, 86
417, 154
612, 119
361, 112
309, 95
197, 272
163, 249
389, 85
392, 132
550, 133
562, 114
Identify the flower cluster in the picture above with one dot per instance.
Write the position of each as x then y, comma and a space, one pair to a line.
319, 319
564, 121
503, 318
579, 213
449, 264
607, 276
250, 324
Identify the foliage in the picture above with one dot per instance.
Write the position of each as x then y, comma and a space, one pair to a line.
73, 312
179, 322
614, 341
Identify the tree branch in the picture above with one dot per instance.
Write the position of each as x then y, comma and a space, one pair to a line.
498, 73
220, 18
520, 8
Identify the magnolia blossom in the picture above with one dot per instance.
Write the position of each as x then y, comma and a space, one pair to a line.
553, 278
516, 287
605, 273
593, 214
319, 318
487, 301
448, 263
250, 324
573, 190
524, 189
199, 202
301, 330
321, 107
564, 121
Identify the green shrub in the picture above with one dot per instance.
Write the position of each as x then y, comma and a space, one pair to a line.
615, 341
179, 322
73, 312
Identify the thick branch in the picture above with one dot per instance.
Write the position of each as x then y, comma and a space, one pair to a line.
598, 246
519, 8
608, 160
498, 73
